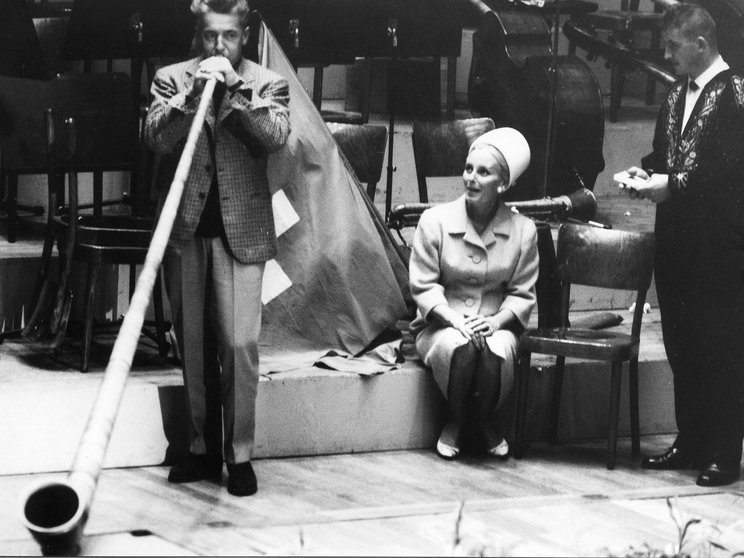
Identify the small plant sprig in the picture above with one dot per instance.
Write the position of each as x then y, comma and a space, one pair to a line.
703, 544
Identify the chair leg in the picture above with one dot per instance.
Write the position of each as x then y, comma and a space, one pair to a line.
93, 268
157, 298
42, 288
555, 406
132, 280
522, 380
635, 434
366, 89
11, 207
371, 190
318, 86
62, 303
615, 385
650, 91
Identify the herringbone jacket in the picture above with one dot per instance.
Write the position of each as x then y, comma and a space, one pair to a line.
252, 122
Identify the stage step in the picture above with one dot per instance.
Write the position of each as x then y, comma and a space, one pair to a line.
305, 412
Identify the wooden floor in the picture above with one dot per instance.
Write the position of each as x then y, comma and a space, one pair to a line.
558, 501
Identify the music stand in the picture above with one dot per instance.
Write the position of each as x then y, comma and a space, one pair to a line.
129, 29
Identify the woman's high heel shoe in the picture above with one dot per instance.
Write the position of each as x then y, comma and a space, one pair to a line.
445, 451
500, 450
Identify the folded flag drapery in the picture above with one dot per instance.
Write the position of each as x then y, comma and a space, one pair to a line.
336, 282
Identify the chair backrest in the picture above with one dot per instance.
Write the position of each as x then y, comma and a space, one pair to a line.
105, 117
608, 258
441, 147
363, 146
605, 258
22, 129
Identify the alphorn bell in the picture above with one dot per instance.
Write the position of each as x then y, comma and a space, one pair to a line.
55, 512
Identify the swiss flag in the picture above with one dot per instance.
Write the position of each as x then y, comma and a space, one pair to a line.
337, 282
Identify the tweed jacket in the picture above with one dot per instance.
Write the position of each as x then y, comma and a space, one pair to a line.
252, 122
451, 264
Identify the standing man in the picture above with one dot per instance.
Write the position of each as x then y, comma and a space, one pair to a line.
222, 236
695, 175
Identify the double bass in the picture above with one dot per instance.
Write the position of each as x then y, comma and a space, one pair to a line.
511, 82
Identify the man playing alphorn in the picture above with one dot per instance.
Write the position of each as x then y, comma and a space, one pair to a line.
222, 236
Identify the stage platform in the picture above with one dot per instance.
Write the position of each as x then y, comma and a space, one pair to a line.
308, 411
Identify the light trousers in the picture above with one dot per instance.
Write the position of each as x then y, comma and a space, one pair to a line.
216, 306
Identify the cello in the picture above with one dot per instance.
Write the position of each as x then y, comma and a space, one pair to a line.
511, 82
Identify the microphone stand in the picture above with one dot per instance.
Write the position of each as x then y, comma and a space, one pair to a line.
550, 135
392, 32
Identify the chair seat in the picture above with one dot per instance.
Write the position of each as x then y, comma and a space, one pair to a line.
111, 231
580, 343
117, 255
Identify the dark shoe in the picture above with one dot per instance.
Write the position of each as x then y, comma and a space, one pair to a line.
671, 459
718, 474
196, 467
242, 480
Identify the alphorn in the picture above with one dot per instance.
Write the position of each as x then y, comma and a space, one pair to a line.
55, 511
581, 204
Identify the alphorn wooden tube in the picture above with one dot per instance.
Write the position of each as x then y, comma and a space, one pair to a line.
55, 512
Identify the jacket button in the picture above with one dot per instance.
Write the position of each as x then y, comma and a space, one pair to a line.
469, 302
476, 259
472, 280
202, 196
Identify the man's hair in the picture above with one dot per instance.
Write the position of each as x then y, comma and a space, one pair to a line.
693, 21
239, 8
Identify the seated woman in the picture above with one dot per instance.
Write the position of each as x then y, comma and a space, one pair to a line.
473, 271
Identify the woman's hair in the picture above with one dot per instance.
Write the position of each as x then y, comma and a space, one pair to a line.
501, 166
693, 21
234, 7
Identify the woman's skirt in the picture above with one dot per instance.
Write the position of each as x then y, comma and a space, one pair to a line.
436, 345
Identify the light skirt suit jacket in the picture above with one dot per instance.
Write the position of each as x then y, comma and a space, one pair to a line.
474, 274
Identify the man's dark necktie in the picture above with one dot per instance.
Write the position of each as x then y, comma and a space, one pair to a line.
693, 86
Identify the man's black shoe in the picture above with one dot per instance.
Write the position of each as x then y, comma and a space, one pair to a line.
196, 467
671, 459
718, 474
242, 480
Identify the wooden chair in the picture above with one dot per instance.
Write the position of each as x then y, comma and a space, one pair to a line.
105, 138
363, 146
110, 239
600, 258
441, 147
